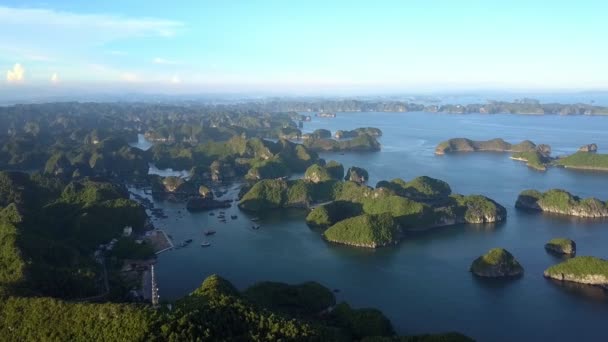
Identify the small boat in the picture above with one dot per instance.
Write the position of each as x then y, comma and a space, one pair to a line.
255, 227
211, 214
188, 241
254, 219
209, 232
205, 244
233, 217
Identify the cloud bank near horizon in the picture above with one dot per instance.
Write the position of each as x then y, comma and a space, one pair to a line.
208, 45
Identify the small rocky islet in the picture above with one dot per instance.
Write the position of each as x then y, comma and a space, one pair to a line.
496, 263
561, 246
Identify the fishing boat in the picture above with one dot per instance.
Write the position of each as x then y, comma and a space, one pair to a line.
233, 217
212, 214
205, 244
209, 232
255, 227
185, 243
254, 219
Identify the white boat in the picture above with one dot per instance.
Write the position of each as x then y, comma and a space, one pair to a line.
205, 244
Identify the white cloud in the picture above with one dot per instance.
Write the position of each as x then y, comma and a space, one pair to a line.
54, 78
16, 74
117, 53
129, 77
108, 25
175, 79
46, 31
38, 58
159, 60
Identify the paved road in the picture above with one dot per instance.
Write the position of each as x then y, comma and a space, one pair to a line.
147, 285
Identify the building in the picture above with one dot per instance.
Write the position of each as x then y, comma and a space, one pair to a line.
127, 231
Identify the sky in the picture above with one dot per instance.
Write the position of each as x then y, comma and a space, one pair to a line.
303, 46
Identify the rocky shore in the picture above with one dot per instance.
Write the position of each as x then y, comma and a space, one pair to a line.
496, 263
561, 202
584, 270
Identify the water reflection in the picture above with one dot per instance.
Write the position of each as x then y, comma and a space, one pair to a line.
153, 170
589, 292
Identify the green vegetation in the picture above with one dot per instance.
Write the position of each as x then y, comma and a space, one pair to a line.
304, 299
420, 188
331, 213
357, 175
267, 169
365, 231
585, 160
252, 158
361, 143
361, 323
561, 245
320, 134
50, 231
12, 264
215, 311
405, 211
372, 131
494, 145
317, 173
419, 204
335, 169
475, 209
497, 262
265, 194
581, 266
561, 202
45, 319
533, 159
127, 248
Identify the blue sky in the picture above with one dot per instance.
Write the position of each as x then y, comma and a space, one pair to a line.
302, 45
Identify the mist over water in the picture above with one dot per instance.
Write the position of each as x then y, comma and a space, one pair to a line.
423, 284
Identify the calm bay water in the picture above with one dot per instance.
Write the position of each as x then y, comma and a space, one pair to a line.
423, 284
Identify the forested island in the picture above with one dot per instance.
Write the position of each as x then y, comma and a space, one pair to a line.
561, 202
494, 145
563, 246
496, 263
582, 269
585, 159
355, 214
525, 106
537, 157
